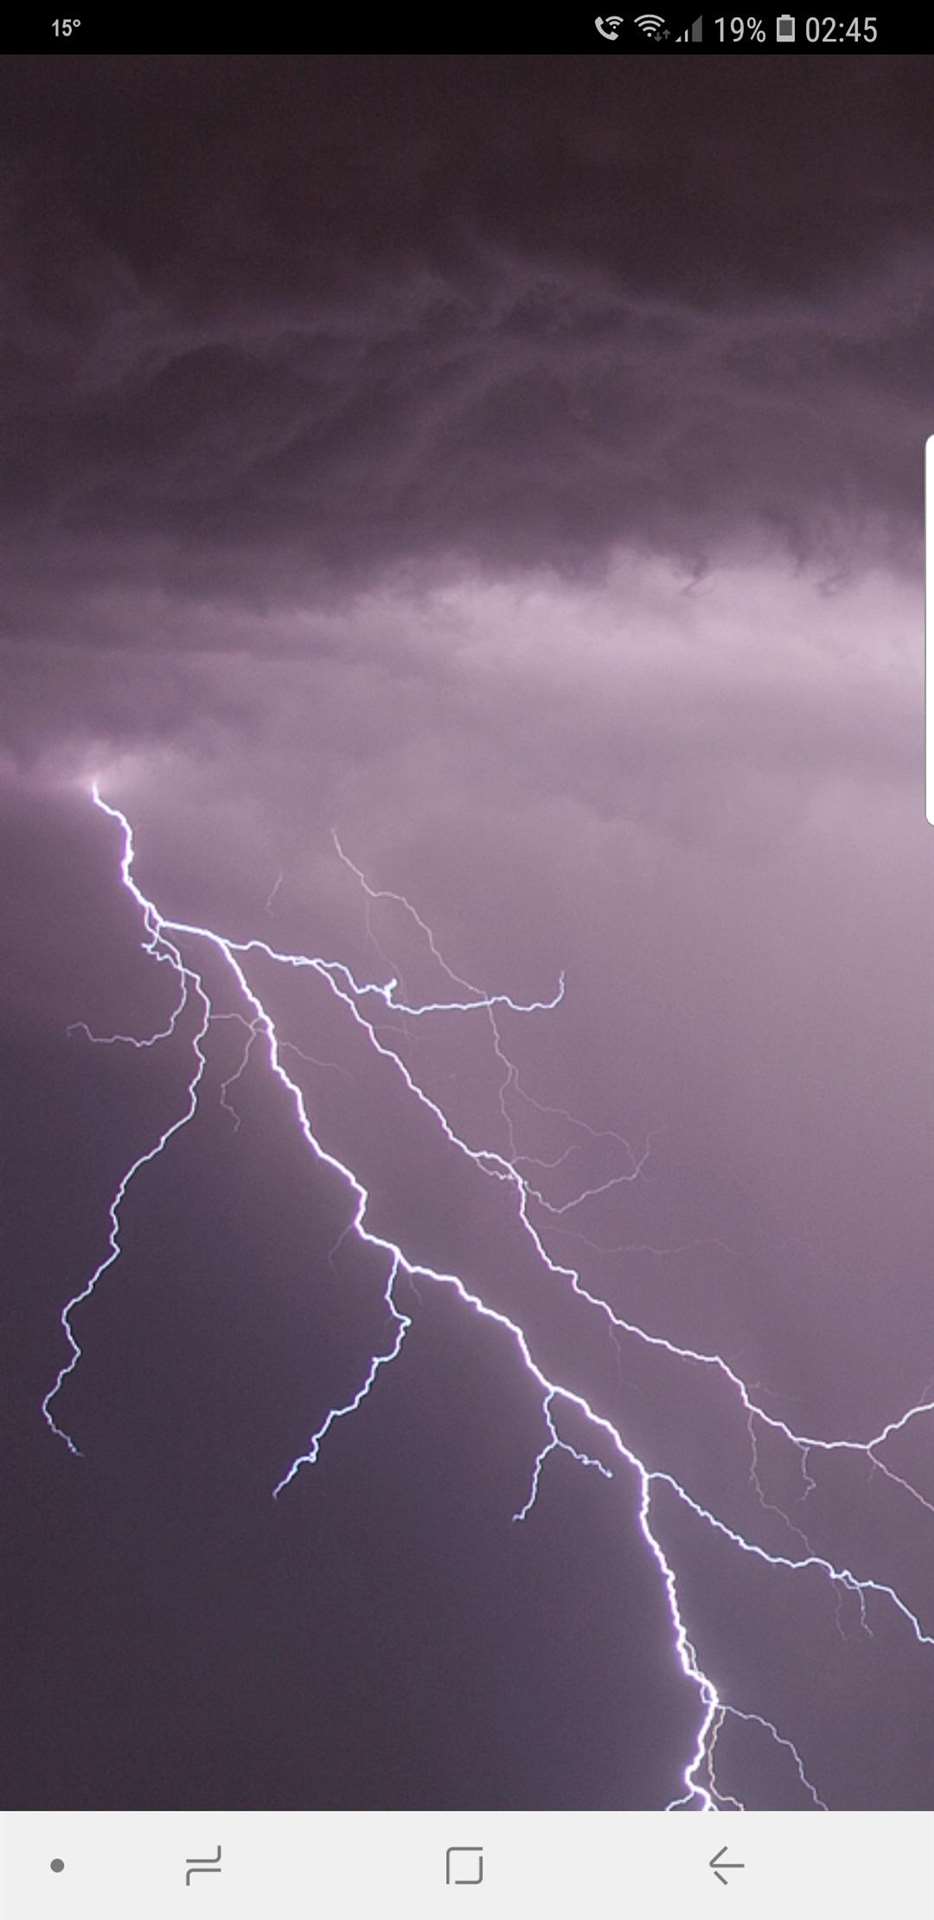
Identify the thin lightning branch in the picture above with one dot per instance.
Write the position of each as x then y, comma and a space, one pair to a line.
161, 950
756, 1719
548, 1166
232, 1078
402, 1325
192, 981
810, 1485
768, 1506
878, 1466
643, 1246
722, 1799
163, 936
555, 1445
311, 1059
593, 1193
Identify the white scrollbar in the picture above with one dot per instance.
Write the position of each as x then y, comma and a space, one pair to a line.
929, 628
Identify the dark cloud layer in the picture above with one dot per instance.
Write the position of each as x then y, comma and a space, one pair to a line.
271, 327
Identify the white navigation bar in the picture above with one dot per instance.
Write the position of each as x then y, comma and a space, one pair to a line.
465, 1866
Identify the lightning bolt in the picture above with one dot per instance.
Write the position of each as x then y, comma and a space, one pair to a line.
168, 941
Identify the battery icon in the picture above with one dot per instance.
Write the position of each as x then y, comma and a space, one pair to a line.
785, 26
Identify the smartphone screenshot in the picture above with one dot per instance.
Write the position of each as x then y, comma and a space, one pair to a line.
466, 996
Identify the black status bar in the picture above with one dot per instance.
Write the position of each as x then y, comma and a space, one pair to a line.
646, 34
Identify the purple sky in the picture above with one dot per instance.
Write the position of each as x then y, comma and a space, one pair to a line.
515, 466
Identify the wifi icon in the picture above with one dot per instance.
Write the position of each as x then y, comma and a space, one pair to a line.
650, 24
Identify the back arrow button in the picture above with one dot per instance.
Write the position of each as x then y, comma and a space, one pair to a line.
722, 1867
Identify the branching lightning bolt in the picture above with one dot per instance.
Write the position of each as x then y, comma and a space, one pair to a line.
164, 940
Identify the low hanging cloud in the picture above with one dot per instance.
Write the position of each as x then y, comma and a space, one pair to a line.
282, 352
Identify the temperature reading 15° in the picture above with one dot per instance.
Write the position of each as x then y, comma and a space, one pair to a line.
63, 29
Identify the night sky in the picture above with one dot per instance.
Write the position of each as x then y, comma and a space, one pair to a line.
514, 467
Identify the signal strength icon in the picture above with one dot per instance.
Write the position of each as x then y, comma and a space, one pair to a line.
650, 24
695, 33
